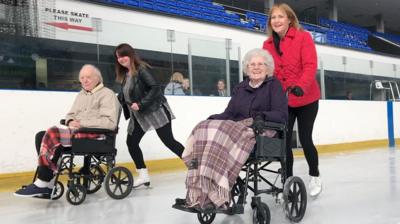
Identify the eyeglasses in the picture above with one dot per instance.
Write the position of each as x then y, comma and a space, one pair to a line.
254, 65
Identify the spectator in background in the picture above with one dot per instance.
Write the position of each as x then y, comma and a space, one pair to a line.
221, 90
175, 87
186, 86
349, 95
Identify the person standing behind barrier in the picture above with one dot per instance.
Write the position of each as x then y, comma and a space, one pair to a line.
186, 86
175, 86
143, 102
295, 59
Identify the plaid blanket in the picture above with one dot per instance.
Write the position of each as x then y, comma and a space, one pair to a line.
221, 147
56, 136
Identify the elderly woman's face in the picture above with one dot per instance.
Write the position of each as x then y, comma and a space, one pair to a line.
88, 79
257, 69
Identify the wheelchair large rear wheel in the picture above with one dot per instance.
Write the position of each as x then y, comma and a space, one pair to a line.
76, 194
206, 218
237, 192
58, 191
295, 198
118, 182
261, 214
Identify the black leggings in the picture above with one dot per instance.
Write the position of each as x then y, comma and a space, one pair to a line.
164, 133
305, 119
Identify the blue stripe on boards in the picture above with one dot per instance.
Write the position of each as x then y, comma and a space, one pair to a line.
390, 123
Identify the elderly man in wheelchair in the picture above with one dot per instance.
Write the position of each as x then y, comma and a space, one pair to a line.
89, 130
222, 146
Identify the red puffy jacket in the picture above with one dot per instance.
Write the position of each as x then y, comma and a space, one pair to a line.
297, 66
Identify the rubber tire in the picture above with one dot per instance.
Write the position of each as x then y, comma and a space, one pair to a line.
76, 194
113, 181
206, 218
294, 198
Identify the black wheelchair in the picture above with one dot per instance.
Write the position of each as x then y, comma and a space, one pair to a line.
99, 168
266, 151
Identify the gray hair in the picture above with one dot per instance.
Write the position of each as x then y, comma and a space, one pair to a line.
268, 60
95, 71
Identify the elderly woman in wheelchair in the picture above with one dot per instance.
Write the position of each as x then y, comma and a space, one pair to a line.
90, 128
221, 146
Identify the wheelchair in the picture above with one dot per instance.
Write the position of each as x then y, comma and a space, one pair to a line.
292, 189
99, 168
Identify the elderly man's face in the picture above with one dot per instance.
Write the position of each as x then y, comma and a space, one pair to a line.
88, 79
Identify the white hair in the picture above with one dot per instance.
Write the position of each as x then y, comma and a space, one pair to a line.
268, 60
95, 71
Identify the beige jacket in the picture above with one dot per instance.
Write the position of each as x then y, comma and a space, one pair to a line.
96, 109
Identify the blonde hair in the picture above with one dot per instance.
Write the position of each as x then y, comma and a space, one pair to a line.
177, 77
294, 22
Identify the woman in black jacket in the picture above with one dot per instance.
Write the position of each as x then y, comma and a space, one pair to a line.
143, 102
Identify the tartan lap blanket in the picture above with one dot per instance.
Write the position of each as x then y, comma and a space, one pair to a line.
221, 148
56, 136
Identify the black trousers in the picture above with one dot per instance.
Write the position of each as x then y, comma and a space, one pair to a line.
164, 133
44, 172
305, 116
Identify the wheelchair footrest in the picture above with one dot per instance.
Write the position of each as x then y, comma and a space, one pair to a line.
237, 209
43, 196
184, 207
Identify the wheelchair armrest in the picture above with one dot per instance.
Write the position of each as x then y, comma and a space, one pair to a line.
91, 130
95, 130
275, 126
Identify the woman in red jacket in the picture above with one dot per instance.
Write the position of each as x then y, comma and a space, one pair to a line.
295, 59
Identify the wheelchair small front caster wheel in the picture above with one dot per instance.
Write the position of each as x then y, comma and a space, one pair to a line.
206, 218
261, 214
118, 182
76, 194
58, 191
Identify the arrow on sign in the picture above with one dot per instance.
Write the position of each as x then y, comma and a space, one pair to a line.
67, 26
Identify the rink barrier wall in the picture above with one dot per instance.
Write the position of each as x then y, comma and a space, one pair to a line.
24, 113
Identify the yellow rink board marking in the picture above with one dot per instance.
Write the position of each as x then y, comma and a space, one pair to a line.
9, 182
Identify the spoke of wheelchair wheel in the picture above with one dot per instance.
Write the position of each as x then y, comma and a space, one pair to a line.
119, 174
292, 207
115, 189
120, 189
297, 207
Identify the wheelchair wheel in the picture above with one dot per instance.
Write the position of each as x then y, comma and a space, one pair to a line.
237, 192
118, 182
76, 194
94, 180
206, 218
295, 198
261, 214
58, 191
